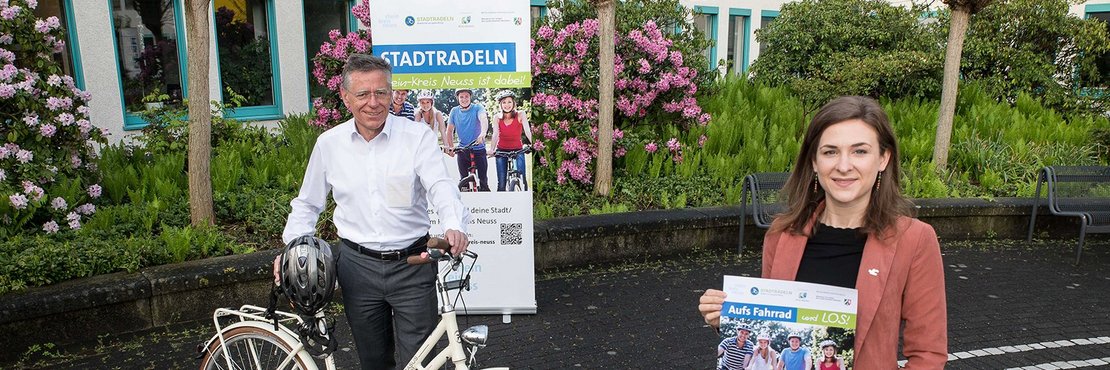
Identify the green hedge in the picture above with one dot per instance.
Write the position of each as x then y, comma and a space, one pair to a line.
996, 151
255, 174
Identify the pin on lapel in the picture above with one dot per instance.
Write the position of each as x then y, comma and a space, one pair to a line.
873, 272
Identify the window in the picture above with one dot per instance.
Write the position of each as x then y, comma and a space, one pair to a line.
705, 19
539, 11
320, 17
738, 29
247, 55
767, 17
1101, 80
149, 52
68, 58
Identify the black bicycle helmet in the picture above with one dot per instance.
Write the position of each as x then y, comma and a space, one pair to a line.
308, 274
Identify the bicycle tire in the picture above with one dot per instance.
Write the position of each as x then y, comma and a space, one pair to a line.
514, 184
269, 351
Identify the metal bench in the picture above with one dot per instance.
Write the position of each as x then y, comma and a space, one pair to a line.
1076, 191
762, 189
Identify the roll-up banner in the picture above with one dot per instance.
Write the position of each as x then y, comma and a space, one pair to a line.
466, 67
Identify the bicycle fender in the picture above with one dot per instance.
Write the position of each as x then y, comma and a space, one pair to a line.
264, 325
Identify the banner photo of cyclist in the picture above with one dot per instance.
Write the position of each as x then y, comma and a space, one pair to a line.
463, 69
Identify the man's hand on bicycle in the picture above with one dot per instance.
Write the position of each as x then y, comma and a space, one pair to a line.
457, 240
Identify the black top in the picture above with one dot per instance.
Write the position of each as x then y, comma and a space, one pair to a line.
832, 256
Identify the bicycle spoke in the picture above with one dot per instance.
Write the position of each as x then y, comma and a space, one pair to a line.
253, 349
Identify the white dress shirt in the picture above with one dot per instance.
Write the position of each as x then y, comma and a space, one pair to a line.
381, 187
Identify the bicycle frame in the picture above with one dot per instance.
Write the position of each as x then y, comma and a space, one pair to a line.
513, 173
250, 324
471, 180
475, 336
448, 324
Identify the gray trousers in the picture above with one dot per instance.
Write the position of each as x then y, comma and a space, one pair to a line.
390, 305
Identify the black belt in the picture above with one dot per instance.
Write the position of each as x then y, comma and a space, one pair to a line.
420, 245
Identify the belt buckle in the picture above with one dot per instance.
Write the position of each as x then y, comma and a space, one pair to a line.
391, 256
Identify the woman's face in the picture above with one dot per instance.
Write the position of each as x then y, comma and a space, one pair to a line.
830, 351
763, 343
426, 104
507, 104
848, 161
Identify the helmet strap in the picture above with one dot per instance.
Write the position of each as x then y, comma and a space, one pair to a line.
274, 292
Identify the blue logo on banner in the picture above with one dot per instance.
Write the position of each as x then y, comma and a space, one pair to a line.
759, 312
410, 20
450, 58
755, 291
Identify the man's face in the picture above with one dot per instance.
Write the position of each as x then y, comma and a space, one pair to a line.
795, 343
742, 335
464, 99
399, 96
367, 97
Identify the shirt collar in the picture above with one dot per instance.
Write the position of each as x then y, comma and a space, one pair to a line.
386, 130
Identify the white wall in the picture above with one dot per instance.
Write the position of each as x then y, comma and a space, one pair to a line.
98, 65
93, 22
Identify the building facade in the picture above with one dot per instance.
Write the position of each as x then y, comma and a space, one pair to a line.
131, 52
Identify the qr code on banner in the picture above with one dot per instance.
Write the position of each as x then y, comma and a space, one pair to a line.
510, 234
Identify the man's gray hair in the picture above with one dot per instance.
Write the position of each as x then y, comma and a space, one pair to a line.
365, 63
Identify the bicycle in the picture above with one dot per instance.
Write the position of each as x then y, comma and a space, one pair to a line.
264, 338
469, 183
515, 181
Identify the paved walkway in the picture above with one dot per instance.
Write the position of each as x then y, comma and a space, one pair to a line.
1009, 306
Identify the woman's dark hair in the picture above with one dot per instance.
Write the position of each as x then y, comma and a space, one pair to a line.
886, 203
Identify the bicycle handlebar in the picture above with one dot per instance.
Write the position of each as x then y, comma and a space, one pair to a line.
458, 149
512, 153
438, 248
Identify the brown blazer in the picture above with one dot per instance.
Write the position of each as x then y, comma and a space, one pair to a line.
901, 278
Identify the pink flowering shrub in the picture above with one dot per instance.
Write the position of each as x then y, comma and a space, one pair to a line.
327, 67
657, 85
48, 177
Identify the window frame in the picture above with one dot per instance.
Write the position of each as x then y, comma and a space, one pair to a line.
745, 14
711, 14
257, 112
353, 24
1087, 11
133, 121
542, 4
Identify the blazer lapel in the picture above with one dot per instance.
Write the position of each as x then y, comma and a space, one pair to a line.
788, 255
878, 255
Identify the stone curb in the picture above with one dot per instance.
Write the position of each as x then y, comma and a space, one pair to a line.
83, 309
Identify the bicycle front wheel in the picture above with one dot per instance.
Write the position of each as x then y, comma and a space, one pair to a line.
250, 347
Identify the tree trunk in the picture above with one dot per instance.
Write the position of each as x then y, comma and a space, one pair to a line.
200, 114
947, 113
606, 10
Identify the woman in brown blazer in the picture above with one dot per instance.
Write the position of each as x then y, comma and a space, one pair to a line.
848, 225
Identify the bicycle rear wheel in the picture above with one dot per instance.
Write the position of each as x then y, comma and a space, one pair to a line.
250, 347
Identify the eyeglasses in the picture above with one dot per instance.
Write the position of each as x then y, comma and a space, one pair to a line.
379, 94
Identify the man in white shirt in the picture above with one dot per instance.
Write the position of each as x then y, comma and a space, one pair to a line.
382, 171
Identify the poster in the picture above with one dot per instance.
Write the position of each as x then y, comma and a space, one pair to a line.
455, 62
786, 324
